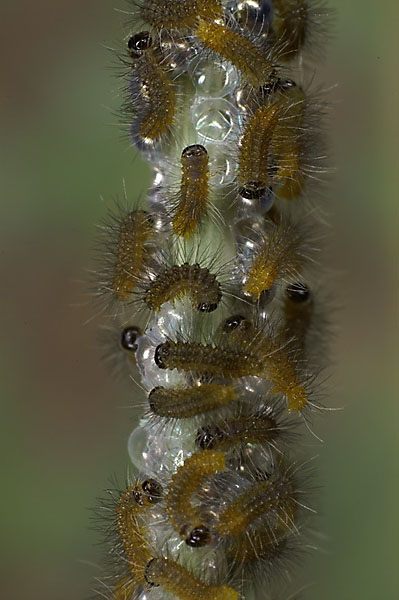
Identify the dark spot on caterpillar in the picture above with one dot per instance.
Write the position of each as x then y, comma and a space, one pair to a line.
298, 292
199, 537
129, 338
161, 353
138, 43
204, 307
232, 323
206, 436
153, 391
253, 190
137, 497
194, 150
153, 490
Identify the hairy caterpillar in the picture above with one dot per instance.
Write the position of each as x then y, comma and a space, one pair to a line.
177, 14
206, 359
174, 578
279, 366
183, 403
253, 157
270, 496
261, 427
296, 23
250, 61
201, 285
280, 255
130, 243
231, 344
151, 98
194, 190
185, 484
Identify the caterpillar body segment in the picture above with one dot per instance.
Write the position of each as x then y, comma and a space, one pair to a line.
289, 140
279, 362
171, 284
129, 252
280, 255
178, 14
298, 312
224, 435
254, 154
185, 402
253, 64
130, 506
151, 99
271, 498
124, 589
177, 580
193, 195
206, 359
186, 483
300, 25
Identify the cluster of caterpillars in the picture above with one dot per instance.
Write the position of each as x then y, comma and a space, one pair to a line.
241, 368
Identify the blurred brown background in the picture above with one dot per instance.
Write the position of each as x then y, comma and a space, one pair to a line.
65, 422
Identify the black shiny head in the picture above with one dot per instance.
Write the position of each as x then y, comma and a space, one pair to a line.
153, 490
129, 337
298, 292
285, 84
194, 150
161, 354
150, 395
205, 307
139, 43
233, 323
253, 190
199, 537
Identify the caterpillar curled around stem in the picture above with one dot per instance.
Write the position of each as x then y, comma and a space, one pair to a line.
186, 483
182, 403
126, 532
271, 498
171, 284
177, 580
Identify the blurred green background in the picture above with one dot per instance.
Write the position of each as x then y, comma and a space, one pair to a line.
65, 422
